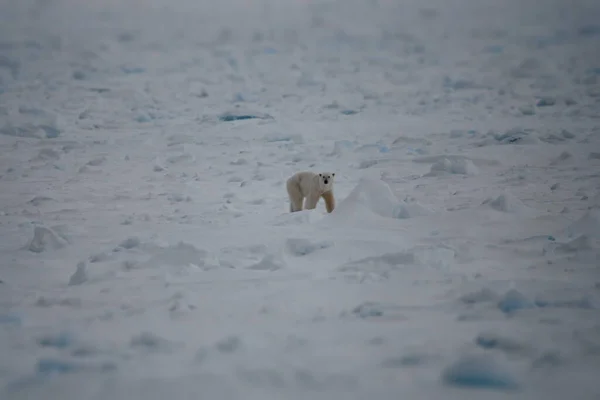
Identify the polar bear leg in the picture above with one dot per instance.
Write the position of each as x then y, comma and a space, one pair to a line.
329, 201
312, 200
295, 195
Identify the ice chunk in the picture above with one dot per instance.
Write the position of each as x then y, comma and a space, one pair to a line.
480, 371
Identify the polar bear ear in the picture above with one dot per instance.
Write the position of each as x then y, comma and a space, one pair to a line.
321, 175
333, 174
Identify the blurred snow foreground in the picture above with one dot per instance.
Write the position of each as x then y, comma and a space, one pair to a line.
147, 251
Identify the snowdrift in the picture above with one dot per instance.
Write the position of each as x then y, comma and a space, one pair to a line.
374, 197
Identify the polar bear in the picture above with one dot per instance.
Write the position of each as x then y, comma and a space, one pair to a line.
311, 186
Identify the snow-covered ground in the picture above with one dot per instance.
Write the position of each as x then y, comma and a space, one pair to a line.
146, 247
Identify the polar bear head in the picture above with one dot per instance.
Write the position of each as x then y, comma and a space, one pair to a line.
326, 181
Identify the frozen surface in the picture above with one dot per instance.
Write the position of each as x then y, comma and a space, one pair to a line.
147, 251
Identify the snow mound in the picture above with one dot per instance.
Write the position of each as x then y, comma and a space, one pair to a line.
301, 247
376, 197
508, 203
80, 275
479, 371
283, 137
130, 242
580, 243
483, 295
588, 224
296, 218
341, 147
492, 340
439, 257
454, 166
46, 239
150, 342
181, 254
31, 122
60, 340
368, 309
269, 262
228, 344
180, 304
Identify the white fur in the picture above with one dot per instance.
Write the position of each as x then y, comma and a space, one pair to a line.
311, 186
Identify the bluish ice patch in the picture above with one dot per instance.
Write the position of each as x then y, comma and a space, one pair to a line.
143, 118
595, 71
589, 30
343, 144
512, 135
479, 372
415, 150
52, 366
51, 132
133, 70
546, 102
558, 38
232, 63
278, 139
494, 49
383, 148
238, 97
584, 303
229, 118
60, 341
46, 366
513, 301
270, 50
10, 319
349, 112
457, 84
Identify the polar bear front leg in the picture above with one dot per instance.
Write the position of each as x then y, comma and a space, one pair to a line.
329, 201
311, 201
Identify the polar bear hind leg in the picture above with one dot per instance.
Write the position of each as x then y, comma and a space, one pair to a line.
295, 195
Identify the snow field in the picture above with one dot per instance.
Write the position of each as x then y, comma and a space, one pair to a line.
145, 245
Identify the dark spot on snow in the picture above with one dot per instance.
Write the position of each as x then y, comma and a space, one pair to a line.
494, 49
60, 340
229, 344
368, 309
48, 366
150, 341
130, 243
10, 319
546, 102
78, 75
349, 112
229, 118
132, 70
589, 30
